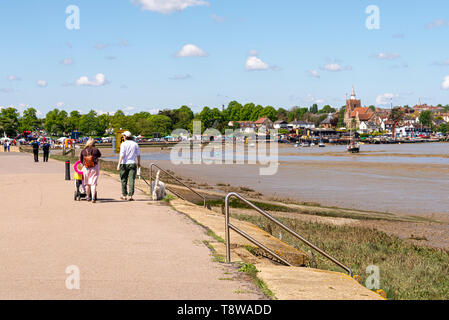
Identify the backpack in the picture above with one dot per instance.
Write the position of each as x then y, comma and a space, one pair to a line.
89, 160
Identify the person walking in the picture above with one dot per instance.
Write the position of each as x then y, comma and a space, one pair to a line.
46, 149
128, 163
91, 170
8, 145
35, 146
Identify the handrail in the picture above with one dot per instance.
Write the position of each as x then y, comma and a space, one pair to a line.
230, 226
151, 183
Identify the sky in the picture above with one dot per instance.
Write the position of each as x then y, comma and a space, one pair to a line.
148, 55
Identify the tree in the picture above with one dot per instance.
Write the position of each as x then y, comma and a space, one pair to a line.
327, 109
341, 117
183, 117
74, 120
118, 120
246, 111
297, 113
232, 112
426, 118
282, 114
270, 113
160, 124
56, 122
314, 109
9, 121
89, 124
256, 114
29, 120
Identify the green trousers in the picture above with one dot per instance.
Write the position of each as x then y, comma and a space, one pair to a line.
128, 174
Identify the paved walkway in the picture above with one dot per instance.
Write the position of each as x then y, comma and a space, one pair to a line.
123, 250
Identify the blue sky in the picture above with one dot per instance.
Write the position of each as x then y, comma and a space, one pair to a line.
128, 54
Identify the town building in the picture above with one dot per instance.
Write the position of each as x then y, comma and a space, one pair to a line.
355, 114
297, 125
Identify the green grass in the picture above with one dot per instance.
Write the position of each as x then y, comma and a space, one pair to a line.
267, 206
252, 271
407, 271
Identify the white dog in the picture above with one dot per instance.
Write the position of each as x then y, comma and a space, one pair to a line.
158, 188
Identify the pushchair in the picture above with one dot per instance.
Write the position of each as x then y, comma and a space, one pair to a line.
80, 191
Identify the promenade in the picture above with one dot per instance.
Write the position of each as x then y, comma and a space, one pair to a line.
123, 250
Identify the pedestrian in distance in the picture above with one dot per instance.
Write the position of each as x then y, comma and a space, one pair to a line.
128, 163
46, 149
35, 146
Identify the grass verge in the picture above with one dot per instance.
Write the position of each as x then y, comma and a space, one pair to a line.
252, 271
407, 271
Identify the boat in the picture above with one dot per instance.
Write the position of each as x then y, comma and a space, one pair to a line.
321, 144
305, 144
354, 147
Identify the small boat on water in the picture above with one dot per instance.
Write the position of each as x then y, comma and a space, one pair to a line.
354, 147
322, 145
305, 145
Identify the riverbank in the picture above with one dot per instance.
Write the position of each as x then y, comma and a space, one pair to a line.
411, 251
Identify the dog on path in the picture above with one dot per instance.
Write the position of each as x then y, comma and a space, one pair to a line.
158, 188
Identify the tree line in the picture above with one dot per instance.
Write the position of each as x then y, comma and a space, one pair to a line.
59, 122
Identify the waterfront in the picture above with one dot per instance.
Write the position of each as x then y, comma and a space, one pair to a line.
403, 179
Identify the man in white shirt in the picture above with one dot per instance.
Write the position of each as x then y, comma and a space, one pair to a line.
128, 163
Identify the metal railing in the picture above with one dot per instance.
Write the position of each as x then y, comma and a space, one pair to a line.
249, 238
171, 190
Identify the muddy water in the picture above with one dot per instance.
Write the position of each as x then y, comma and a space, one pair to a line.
404, 179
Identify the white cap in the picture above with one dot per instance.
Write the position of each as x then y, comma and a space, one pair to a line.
127, 134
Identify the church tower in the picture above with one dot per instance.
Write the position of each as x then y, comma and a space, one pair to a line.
351, 105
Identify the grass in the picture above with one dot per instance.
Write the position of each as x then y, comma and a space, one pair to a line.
252, 271
267, 206
407, 271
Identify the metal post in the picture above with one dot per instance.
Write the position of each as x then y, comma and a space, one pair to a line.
67, 170
227, 235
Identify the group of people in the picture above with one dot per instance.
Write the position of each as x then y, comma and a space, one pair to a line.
128, 164
45, 148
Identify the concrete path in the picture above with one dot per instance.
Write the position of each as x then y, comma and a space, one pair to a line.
123, 250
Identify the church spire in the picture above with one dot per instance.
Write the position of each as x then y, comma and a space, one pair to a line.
353, 97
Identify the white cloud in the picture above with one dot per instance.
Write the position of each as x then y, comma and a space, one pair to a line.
441, 63
313, 73
42, 83
387, 56
311, 99
386, 98
100, 80
336, 67
217, 19
445, 84
130, 108
253, 63
154, 111
7, 90
181, 77
59, 104
14, 78
67, 61
437, 23
191, 50
168, 6
254, 53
